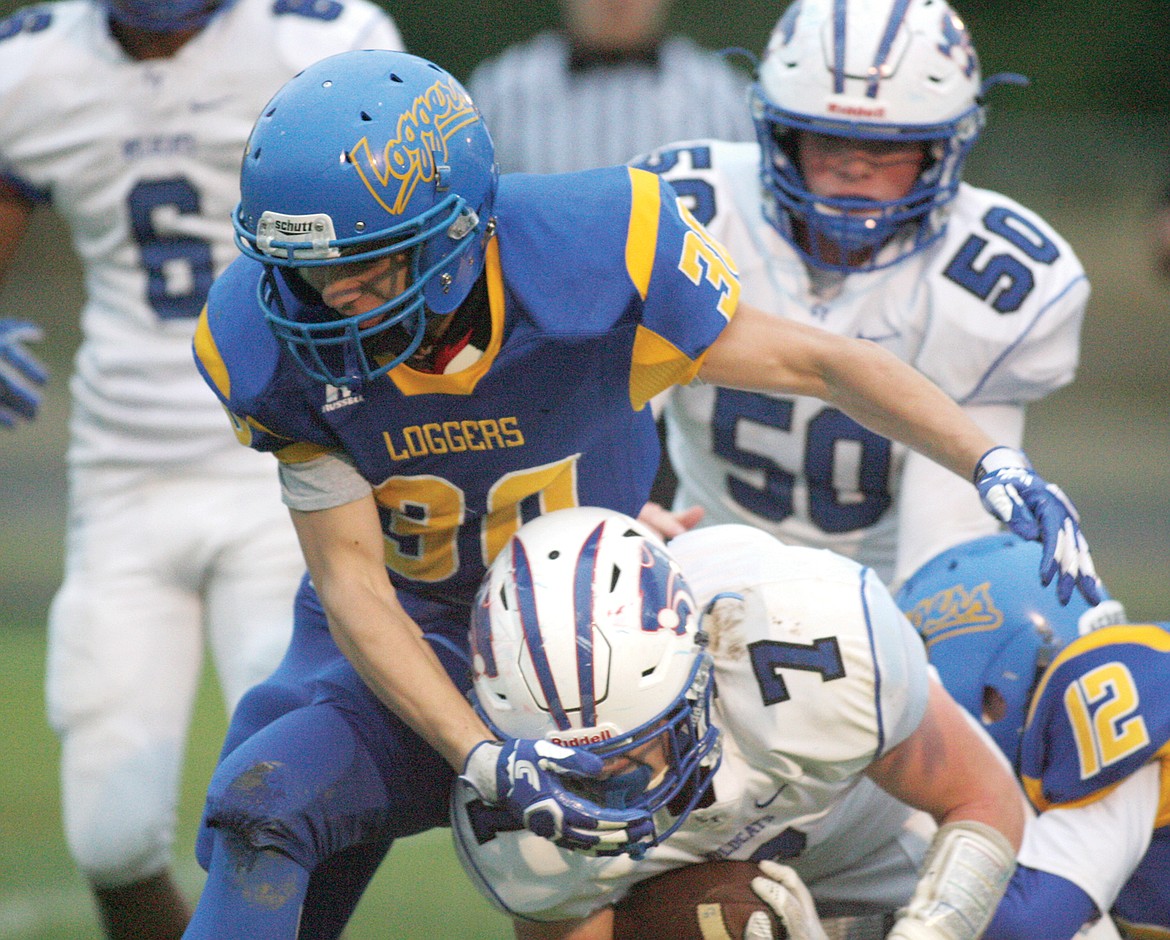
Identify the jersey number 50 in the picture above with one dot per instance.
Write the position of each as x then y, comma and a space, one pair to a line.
1005, 274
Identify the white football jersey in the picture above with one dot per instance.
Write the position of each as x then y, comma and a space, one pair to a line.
142, 158
817, 674
991, 312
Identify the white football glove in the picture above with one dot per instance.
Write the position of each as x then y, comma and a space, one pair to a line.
782, 890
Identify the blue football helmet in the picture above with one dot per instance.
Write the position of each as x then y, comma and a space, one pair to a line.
991, 629
165, 16
586, 634
363, 155
883, 70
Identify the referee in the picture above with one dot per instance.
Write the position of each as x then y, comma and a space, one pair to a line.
609, 85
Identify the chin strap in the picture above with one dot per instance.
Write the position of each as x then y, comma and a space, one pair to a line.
963, 879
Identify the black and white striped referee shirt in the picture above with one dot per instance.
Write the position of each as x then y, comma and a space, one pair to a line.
547, 114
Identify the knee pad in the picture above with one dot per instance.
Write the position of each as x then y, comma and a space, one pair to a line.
304, 786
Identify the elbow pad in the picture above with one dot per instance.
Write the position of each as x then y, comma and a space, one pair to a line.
963, 878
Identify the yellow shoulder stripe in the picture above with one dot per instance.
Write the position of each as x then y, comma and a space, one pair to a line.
1148, 635
642, 235
209, 356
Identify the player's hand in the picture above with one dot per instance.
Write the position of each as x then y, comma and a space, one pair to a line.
21, 373
782, 890
1037, 510
668, 524
526, 776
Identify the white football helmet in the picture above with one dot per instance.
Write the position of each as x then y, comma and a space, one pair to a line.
585, 633
890, 70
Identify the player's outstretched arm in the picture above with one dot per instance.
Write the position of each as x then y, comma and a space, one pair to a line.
766, 353
343, 547
949, 770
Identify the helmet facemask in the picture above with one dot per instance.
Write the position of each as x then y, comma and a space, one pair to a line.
345, 350
689, 749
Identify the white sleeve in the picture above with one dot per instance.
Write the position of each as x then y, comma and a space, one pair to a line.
321, 483
1098, 846
939, 509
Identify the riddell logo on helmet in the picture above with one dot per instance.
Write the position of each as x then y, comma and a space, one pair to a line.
856, 110
583, 737
418, 152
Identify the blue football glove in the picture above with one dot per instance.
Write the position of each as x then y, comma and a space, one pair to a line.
526, 777
1037, 510
21, 373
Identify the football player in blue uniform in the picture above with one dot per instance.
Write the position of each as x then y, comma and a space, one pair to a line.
435, 356
1078, 701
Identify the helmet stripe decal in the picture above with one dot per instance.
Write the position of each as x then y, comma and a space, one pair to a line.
530, 624
839, 46
583, 603
877, 70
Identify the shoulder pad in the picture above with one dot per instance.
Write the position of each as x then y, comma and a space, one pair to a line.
1101, 711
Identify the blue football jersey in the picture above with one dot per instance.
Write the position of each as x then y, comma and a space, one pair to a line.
1101, 712
603, 292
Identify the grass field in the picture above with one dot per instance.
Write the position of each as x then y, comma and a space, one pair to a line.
419, 892
1106, 439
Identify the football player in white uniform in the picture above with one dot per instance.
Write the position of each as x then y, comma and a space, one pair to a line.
849, 214
762, 701
130, 117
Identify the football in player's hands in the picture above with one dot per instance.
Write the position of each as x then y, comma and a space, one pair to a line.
697, 902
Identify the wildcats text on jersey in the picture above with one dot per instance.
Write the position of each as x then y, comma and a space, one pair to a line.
453, 437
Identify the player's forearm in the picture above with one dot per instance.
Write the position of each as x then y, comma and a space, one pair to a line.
1037, 904
388, 651
888, 396
766, 353
343, 549
947, 769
